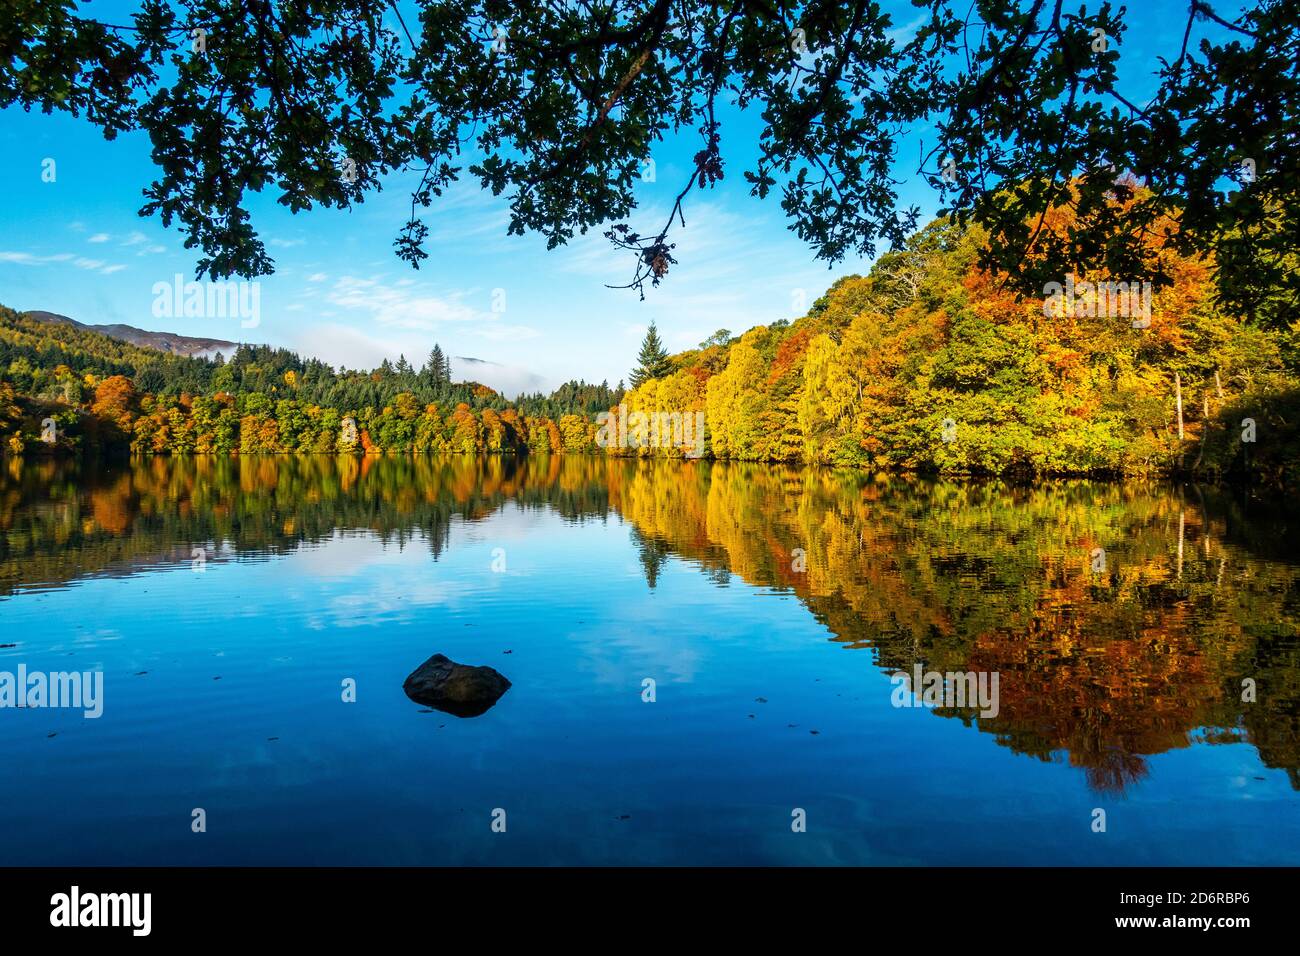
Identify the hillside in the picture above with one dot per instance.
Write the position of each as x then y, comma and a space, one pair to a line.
925, 364
107, 394
929, 364
185, 345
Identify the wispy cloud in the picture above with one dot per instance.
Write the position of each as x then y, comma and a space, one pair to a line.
27, 259
80, 262
135, 239
403, 307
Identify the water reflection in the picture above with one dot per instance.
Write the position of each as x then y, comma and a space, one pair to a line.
1185, 631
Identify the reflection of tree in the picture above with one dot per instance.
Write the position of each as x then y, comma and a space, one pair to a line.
1100, 667
1105, 667
1273, 722
59, 522
653, 554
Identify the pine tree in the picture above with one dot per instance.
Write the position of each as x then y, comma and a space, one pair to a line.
652, 360
438, 369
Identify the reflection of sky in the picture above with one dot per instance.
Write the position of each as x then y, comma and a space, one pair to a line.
252, 650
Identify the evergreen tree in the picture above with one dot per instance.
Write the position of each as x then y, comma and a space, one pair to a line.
652, 359
432, 371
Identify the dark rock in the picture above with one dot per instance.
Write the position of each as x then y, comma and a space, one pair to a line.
453, 688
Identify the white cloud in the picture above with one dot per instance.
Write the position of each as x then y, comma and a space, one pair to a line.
81, 262
342, 345
131, 239
502, 333
317, 277
401, 308
27, 259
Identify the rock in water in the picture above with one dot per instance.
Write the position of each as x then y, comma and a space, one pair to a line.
454, 688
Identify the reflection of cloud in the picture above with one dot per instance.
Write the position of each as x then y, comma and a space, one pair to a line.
391, 580
342, 555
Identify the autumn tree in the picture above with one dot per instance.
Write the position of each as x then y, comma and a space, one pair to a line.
114, 400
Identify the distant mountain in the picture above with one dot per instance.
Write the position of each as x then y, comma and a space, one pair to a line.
162, 341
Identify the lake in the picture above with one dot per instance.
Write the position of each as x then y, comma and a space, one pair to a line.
701, 658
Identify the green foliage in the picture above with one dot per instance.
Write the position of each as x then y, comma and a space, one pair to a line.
925, 364
559, 106
261, 400
652, 360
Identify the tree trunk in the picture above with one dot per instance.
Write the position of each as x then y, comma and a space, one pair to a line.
1205, 428
1178, 397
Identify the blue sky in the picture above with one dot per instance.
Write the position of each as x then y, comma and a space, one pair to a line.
77, 246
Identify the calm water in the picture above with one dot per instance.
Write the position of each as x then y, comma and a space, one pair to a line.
1120, 689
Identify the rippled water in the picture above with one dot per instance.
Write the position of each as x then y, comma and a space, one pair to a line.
769, 606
